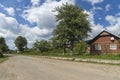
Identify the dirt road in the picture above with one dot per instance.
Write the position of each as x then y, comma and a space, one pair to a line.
30, 68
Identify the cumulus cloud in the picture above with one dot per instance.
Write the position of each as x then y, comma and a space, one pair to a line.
94, 1
107, 8
8, 26
34, 33
10, 10
111, 19
35, 2
8, 29
43, 15
114, 22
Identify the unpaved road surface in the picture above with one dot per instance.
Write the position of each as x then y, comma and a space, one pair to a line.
31, 68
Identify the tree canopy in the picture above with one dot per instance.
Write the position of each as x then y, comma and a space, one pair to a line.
20, 43
72, 26
42, 45
3, 46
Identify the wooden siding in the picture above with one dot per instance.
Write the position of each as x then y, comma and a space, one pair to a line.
104, 41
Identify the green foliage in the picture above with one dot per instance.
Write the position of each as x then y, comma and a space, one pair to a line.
81, 47
20, 43
42, 46
3, 46
3, 58
72, 27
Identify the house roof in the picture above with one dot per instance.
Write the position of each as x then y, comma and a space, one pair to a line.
100, 34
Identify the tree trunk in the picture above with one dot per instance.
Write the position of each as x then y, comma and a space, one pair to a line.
71, 50
64, 50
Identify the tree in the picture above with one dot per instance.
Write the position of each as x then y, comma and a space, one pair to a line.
60, 38
81, 47
20, 43
42, 45
3, 46
73, 25
59, 42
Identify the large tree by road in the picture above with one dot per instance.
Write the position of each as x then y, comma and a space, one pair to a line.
3, 46
72, 27
20, 43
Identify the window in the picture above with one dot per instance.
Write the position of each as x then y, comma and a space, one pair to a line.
97, 47
113, 46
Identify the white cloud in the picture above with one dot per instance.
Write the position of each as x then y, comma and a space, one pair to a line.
95, 1
111, 19
43, 15
35, 2
107, 8
10, 29
33, 34
10, 10
114, 21
95, 9
8, 26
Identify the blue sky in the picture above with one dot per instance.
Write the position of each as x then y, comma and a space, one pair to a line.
35, 20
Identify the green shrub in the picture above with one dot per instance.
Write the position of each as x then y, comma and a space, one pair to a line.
81, 47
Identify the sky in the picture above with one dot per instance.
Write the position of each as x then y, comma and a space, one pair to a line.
35, 19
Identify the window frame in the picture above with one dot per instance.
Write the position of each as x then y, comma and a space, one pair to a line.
113, 46
98, 47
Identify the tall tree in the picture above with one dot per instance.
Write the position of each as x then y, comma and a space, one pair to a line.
42, 45
73, 25
20, 43
3, 46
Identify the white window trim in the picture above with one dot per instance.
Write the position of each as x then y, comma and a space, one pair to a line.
113, 46
97, 47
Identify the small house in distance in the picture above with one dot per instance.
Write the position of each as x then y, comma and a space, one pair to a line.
105, 42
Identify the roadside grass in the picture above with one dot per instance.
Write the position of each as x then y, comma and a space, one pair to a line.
104, 57
2, 59
83, 56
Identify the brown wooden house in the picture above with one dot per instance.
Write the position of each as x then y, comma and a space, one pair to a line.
105, 42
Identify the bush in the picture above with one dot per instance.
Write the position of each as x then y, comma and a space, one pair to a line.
1, 55
81, 48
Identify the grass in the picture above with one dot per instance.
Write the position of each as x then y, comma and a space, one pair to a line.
83, 56
104, 57
2, 59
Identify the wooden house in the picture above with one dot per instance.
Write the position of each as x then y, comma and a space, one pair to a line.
105, 42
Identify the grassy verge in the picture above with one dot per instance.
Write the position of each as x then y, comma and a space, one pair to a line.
2, 59
83, 56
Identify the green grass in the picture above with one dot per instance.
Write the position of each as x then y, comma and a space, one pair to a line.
83, 56
105, 57
2, 59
